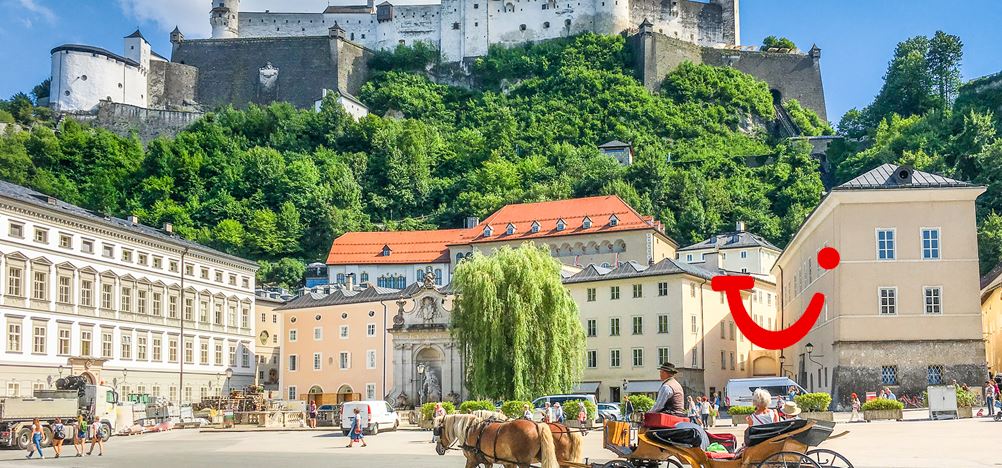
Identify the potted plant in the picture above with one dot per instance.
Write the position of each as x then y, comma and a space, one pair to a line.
739, 414
428, 412
571, 409
965, 403
470, 406
515, 408
815, 406
882, 408
641, 404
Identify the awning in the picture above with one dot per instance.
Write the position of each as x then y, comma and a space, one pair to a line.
643, 386
586, 387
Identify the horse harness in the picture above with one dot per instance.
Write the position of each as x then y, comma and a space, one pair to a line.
482, 458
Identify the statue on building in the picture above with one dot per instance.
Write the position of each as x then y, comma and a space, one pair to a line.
432, 389
428, 310
403, 401
267, 83
429, 280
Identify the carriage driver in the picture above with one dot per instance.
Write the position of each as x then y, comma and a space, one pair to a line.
671, 397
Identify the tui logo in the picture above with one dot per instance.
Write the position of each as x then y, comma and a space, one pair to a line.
828, 258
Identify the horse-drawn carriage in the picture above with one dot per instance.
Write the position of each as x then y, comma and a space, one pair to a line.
786, 444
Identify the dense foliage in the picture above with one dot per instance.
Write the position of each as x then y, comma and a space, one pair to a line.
428, 409
878, 404
515, 409
516, 325
914, 121
774, 42
641, 403
277, 185
740, 410
470, 406
812, 402
573, 407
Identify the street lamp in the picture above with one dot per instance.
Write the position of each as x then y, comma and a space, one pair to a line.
61, 368
229, 373
420, 370
810, 348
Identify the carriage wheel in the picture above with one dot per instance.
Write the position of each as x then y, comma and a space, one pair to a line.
673, 463
829, 458
618, 464
788, 460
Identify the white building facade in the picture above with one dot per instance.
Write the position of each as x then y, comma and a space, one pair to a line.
103, 297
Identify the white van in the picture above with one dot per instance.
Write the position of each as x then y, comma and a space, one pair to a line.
739, 391
376, 415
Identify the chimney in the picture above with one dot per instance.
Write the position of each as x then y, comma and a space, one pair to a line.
169, 228
711, 261
51, 200
350, 282
471, 222
740, 226
133, 219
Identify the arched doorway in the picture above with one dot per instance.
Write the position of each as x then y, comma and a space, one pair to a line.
764, 365
89, 377
428, 364
315, 390
345, 389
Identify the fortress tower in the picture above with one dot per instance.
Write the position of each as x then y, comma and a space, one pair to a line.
225, 17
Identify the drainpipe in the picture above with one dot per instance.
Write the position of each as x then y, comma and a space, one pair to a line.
383, 303
702, 326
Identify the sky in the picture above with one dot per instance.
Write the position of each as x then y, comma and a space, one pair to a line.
857, 37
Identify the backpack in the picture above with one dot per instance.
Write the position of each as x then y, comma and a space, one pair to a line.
58, 433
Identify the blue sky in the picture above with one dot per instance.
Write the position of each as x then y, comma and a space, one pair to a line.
857, 37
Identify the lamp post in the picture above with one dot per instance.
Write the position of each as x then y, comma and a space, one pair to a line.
809, 347
218, 376
420, 370
229, 373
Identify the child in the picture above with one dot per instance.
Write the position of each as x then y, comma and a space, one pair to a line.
356, 430
855, 409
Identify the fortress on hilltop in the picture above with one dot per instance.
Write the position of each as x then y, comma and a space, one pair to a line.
264, 57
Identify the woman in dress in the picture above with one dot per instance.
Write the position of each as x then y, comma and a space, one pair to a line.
763, 414
356, 430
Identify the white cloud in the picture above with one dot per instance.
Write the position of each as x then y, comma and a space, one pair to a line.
35, 11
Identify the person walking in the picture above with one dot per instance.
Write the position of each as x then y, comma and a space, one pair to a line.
548, 413
36, 439
79, 435
763, 414
990, 397
58, 434
693, 412
313, 414
854, 401
558, 413
356, 430
94, 433
714, 412
704, 410
438, 413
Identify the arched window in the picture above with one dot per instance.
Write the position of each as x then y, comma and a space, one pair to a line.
365, 277
509, 8
401, 282
459, 257
381, 282
340, 278
438, 276
419, 275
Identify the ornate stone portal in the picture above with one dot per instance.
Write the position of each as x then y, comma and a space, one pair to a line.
427, 366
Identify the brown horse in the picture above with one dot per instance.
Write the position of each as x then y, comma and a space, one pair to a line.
512, 444
566, 443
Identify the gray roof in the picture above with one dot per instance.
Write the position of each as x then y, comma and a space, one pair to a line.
136, 34
882, 178
732, 240
40, 200
369, 294
613, 144
94, 50
633, 270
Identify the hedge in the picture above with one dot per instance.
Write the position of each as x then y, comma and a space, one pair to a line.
470, 406
740, 410
813, 402
883, 404
965, 398
572, 407
428, 409
515, 409
641, 403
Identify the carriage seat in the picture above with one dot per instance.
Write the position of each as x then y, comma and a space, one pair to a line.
755, 435
679, 437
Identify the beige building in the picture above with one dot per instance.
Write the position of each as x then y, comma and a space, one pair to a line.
268, 348
740, 252
902, 307
991, 318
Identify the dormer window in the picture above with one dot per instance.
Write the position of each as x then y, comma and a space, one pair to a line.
535, 227
488, 231
386, 251
613, 220
561, 225
586, 223
510, 229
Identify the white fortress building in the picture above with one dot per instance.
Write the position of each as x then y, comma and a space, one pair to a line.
466, 28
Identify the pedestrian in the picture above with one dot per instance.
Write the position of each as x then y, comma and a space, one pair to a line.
693, 412
763, 414
58, 434
526, 412
790, 410
313, 414
990, 397
890, 394
94, 433
548, 413
704, 409
714, 412
628, 409
356, 430
855, 408
582, 416
558, 413
439, 413
80, 434
36, 439
791, 395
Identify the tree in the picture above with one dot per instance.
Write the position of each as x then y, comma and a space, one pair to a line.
907, 83
990, 242
773, 42
41, 90
516, 324
945, 53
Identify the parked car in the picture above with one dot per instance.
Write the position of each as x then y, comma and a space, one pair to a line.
739, 391
608, 411
539, 404
376, 415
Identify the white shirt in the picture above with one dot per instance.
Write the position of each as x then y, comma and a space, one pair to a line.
664, 393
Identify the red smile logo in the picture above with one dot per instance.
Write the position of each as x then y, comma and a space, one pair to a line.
828, 258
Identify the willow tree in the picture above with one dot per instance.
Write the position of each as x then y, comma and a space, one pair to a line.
517, 326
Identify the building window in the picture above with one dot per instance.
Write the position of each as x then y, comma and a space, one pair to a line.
292, 336
930, 243
723, 331
39, 288
14, 337
638, 291
318, 333
614, 326
344, 360
172, 349
561, 225
204, 273
723, 360
203, 353
343, 332
662, 289
41, 236
692, 289
614, 292
663, 355
885, 244
613, 220
638, 325
317, 361
592, 359
370, 359
933, 300
591, 294
233, 355
141, 348
592, 327
127, 346
107, 350
126, 255
732, 360
189, 352
695, 327
65, 241
85, 343
935, 375
218, 355
65, 289
87, 246
638, 357
15, 277
889, 375
293, 361
663, 323
370, 329
16, 230
614, 358
157, 350
695, 357
888, 301
38, 339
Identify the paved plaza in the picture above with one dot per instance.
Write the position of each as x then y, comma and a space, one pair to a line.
883, 444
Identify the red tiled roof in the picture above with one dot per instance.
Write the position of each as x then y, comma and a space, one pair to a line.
406, 247
572, 212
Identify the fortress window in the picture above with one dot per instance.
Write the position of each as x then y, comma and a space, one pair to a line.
455, 25
363, 36
546, 24
83, 77
67, 92
120, 86
521, 27
476, 6
567, 22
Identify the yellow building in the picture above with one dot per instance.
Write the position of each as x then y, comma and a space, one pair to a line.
902, 306
991, 318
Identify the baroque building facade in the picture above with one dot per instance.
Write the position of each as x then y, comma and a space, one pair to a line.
135, 307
